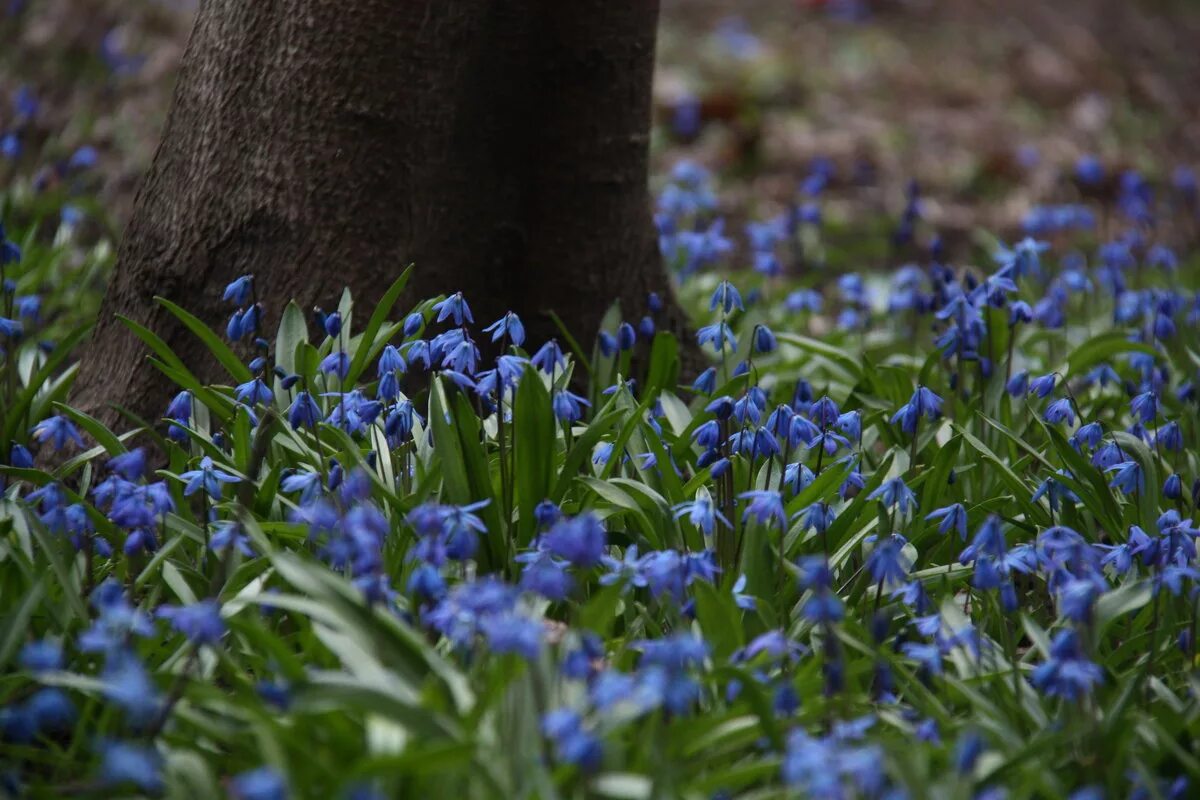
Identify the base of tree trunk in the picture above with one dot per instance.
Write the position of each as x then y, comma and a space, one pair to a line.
500, 146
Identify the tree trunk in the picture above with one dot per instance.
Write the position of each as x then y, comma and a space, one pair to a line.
499, 145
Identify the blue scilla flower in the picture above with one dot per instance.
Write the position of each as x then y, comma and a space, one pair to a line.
42, 655
887, 561
11, 328
207, 477
581, 540
129, 686
336, 363
850, 424
951, 517
818, 516
1018, 384
230, 534
200, 622
1173, 487
1060, 411
390, 361
509, 325
824, 412
701, 513
568, 406
1090, 434
626, 336
573, 744
803, 300
726, 297
646, 328
513, 633
58, 430
254, 392
1067, 673
238, 290
719, 335
263, 783
1042, 385
894, 492
549, 357
798, 477
1170, 437
1145, 406
764, 340
765, 507
922, 403
1019, 312
545, 575
454, 306
706, 383
304, 411
125, 763
1128, 476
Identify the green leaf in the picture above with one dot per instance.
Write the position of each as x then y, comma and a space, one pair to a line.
1102, 347
366, 341
534, 440
719, 618
16, 413
293, 329
103, 436
221, 351
852, 365
664, 363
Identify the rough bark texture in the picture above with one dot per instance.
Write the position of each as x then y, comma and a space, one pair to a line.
500, 145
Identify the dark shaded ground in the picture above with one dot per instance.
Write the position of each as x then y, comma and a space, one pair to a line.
983, 101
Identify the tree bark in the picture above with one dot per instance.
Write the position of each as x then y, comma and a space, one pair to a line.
499, 145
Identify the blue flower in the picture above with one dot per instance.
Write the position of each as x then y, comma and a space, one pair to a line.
572, 743
548, 357
125, 762
230, 534
1018, 384
238, 290
719, 335
509, 325
200, 622
764, 340
207, 477
766, 507
128, 685
336, 363
1060, 411
1067, 673
895, 492
741, 600
819, 516
1128, 477
1043, 385
454, 306
701, 513
887, 562
512, 633
254, 392
726, 297
581, 540
42, 655
263, 783
953, 517
58, 430
1145, 406
567, 405
706, 383
545, 575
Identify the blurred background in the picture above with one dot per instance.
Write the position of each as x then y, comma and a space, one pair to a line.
988, 104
